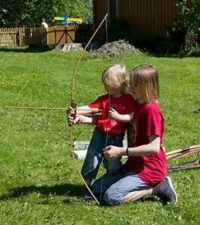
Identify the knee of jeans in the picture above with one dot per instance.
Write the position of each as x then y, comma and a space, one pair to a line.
111, 169
111, 198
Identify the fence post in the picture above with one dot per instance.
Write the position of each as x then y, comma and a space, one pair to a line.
20, 36
55, 35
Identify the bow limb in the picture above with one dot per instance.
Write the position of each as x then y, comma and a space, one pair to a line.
73, 89
73, 104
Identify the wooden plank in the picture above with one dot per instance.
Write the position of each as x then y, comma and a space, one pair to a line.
8, 32
182, 153
187, 166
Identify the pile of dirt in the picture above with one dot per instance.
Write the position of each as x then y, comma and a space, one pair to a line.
115, 48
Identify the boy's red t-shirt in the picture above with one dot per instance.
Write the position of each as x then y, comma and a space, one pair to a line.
149, 121
123, 104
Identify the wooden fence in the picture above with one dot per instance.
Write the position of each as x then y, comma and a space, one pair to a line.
55, 35
12, 36
59, 35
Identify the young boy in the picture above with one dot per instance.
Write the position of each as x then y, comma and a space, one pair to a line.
107, 131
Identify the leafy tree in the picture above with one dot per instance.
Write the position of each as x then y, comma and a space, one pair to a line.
188, 24
79, 8
31, 12
76, 8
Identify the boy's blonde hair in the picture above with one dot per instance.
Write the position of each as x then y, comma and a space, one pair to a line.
146, 76
116, 75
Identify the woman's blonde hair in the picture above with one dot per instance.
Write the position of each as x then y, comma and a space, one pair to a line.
116, 75
146, 76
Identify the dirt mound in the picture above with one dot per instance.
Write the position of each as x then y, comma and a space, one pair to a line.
115, 48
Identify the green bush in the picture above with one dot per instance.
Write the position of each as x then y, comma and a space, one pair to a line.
186, 31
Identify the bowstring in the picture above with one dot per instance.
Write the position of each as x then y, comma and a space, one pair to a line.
106, 142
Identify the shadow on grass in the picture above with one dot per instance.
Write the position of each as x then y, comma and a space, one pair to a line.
26, 49
58, 190
61, 189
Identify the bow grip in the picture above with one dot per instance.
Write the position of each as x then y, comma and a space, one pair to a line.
74, 106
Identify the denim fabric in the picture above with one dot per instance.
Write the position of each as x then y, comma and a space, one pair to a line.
94, 155
114, 187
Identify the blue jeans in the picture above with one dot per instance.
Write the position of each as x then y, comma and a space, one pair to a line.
94, 155
114, 187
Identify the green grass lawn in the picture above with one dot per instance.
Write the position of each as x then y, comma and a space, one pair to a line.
39, 184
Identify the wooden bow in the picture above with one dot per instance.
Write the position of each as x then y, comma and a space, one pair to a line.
73, 104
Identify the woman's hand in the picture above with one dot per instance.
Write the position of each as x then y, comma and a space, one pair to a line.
112, 152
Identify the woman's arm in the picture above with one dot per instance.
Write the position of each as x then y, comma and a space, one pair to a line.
153, 147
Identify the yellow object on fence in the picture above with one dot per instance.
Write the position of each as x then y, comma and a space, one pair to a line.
75, 20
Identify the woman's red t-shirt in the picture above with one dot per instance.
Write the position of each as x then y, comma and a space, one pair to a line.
148, 121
